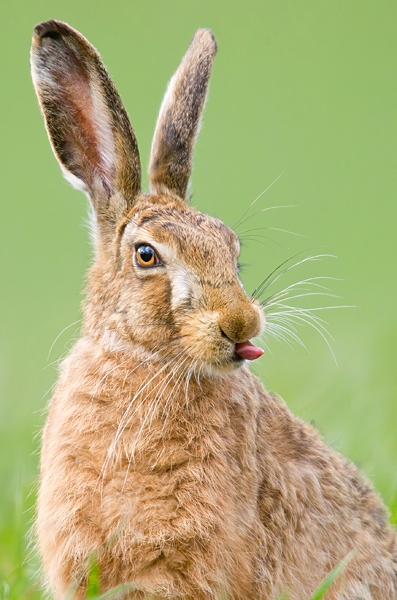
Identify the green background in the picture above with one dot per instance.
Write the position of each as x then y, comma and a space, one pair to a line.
303, 88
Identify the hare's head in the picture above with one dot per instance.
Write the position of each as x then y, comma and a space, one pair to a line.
165, 278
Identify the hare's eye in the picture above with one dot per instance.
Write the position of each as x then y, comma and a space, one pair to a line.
146, 257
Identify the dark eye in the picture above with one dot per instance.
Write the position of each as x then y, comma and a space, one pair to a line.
146, 257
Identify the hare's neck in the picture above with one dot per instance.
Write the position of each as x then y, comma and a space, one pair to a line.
149, 399
155, 413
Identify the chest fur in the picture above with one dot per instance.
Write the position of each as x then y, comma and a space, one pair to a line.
160, 481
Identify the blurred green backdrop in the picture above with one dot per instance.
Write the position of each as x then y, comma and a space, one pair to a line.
307, 89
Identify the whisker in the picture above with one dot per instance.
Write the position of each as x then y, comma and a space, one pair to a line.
311, 282
285, 296
258, 212
256, 236
270, 281
59, 335
117, 366
181, 375
275, 207
153, 408
304, 316
316, 308
263, 342
126, 417
287, 231
256, 199
290, 311
279, 337
284, 333
258, 289
318, 329
150, 414
124, 420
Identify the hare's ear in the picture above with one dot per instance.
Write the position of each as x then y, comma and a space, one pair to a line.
179, 119
87, 124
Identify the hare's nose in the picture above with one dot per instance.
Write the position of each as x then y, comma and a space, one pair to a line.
240, 322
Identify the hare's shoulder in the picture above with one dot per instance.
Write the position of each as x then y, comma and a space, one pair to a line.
315, 502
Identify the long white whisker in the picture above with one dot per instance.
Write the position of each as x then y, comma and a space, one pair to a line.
137, 394
153, 408
311, 282
283, 206
150, 414
59, 335
323, 307
288, 332
268, 188
187, 382
256, 199
117, 366
269, 280
305, 295
291, 312
171, 393
124, 420
297, 264
304, 316
287, 231
279, 336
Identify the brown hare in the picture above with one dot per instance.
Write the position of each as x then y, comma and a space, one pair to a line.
163, 456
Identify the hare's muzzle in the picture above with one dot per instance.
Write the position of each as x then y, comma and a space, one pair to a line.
218, 337
240, 319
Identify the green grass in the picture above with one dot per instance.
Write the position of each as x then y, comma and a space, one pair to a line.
21, 583
119, 591
93, 584
331, 578
328, 581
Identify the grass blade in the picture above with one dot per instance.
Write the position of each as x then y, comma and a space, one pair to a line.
332, 577
93, 579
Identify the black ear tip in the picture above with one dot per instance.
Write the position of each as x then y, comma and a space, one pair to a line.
206, 38
51, 29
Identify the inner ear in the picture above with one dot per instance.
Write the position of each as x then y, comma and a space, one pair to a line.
83, 142
87, 124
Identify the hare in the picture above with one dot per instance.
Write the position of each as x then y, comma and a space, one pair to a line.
163, 456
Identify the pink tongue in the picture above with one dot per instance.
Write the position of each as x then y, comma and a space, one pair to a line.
248, 351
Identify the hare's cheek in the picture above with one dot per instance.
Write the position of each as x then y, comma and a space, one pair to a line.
202, 339
147, 309
182, 287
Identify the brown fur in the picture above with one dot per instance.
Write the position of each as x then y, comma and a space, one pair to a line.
179, 118
163, 456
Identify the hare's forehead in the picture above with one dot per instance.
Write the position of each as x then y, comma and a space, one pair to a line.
189, 236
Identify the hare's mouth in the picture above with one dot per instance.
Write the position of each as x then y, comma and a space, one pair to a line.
210, 346
241, 352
